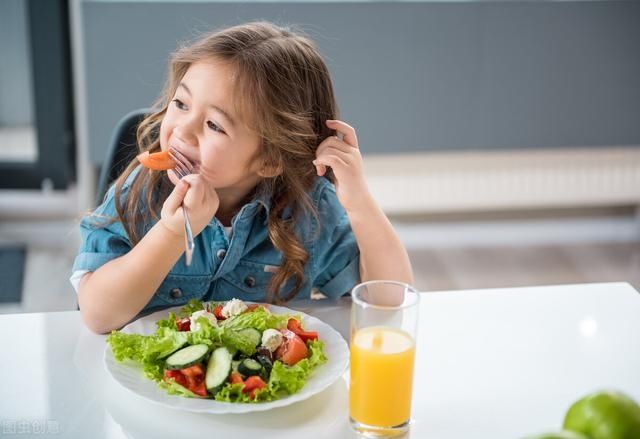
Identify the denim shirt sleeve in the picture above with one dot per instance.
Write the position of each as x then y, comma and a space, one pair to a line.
336, 257
101, 240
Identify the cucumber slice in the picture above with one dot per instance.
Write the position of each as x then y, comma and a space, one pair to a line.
186, 357
251, 334
218, 369
249, 367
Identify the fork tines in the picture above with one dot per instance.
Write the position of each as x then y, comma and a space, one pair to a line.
184, 166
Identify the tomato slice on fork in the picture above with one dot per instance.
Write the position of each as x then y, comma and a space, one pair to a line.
158, 161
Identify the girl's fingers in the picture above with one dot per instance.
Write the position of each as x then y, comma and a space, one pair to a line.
343, 148
334, 142
333, 161
331, 150
174, 200
347, 131
195, 195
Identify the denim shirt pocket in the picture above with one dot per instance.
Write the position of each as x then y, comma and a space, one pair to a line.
178, 289
248, 280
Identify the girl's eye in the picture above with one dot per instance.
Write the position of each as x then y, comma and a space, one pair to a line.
179, 104
214, 127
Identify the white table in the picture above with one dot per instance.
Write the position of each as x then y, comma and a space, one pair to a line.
490, 364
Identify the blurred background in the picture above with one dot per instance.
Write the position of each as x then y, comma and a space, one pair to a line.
502, 138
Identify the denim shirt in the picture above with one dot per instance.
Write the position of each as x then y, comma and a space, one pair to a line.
243, 265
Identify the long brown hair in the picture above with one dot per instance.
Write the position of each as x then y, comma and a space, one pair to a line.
284, 93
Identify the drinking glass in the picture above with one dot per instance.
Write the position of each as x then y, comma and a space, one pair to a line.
384, 318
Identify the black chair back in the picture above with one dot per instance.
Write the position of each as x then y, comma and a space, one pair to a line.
122, 149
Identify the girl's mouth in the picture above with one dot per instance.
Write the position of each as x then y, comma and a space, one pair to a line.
184, 164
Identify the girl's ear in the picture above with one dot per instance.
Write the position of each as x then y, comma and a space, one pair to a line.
270, 170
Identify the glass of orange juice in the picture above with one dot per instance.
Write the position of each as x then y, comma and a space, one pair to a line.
384, 318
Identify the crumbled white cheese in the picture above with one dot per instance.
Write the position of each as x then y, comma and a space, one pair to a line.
271, 339
206, 314
233, 308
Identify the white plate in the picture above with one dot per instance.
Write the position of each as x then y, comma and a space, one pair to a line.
130, 375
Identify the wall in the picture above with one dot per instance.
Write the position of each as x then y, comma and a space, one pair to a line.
410, 76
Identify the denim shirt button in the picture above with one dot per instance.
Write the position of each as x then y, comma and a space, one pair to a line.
250, 281
220, 254
175, 293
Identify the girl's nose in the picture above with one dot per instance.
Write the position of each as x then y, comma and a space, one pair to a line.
186, 133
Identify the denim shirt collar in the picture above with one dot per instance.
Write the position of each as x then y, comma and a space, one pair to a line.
262, 199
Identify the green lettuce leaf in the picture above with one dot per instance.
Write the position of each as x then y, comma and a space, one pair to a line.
232, 393
259, 319
206, 334
290, 379
317, 356
192, 306
169, 322
238, 342
143, 348
147, 350
127, 346
164, 343
154, 370
221, 336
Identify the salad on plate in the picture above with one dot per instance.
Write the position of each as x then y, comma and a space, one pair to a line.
227, 351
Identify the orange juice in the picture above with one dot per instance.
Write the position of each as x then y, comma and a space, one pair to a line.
381, 376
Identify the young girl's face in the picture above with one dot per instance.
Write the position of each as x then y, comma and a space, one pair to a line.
200, 124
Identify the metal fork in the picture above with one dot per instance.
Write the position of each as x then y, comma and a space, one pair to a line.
183, 168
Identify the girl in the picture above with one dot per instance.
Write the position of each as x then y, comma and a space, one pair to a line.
279, 206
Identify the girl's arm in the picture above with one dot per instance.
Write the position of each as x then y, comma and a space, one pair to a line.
382, 255
116, 292
113, 294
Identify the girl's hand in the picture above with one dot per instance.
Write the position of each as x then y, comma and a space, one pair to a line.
198, 196
343, 156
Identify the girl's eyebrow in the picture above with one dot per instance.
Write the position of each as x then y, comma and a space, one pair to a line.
215, 107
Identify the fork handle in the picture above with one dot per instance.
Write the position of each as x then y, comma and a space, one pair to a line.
188, 237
